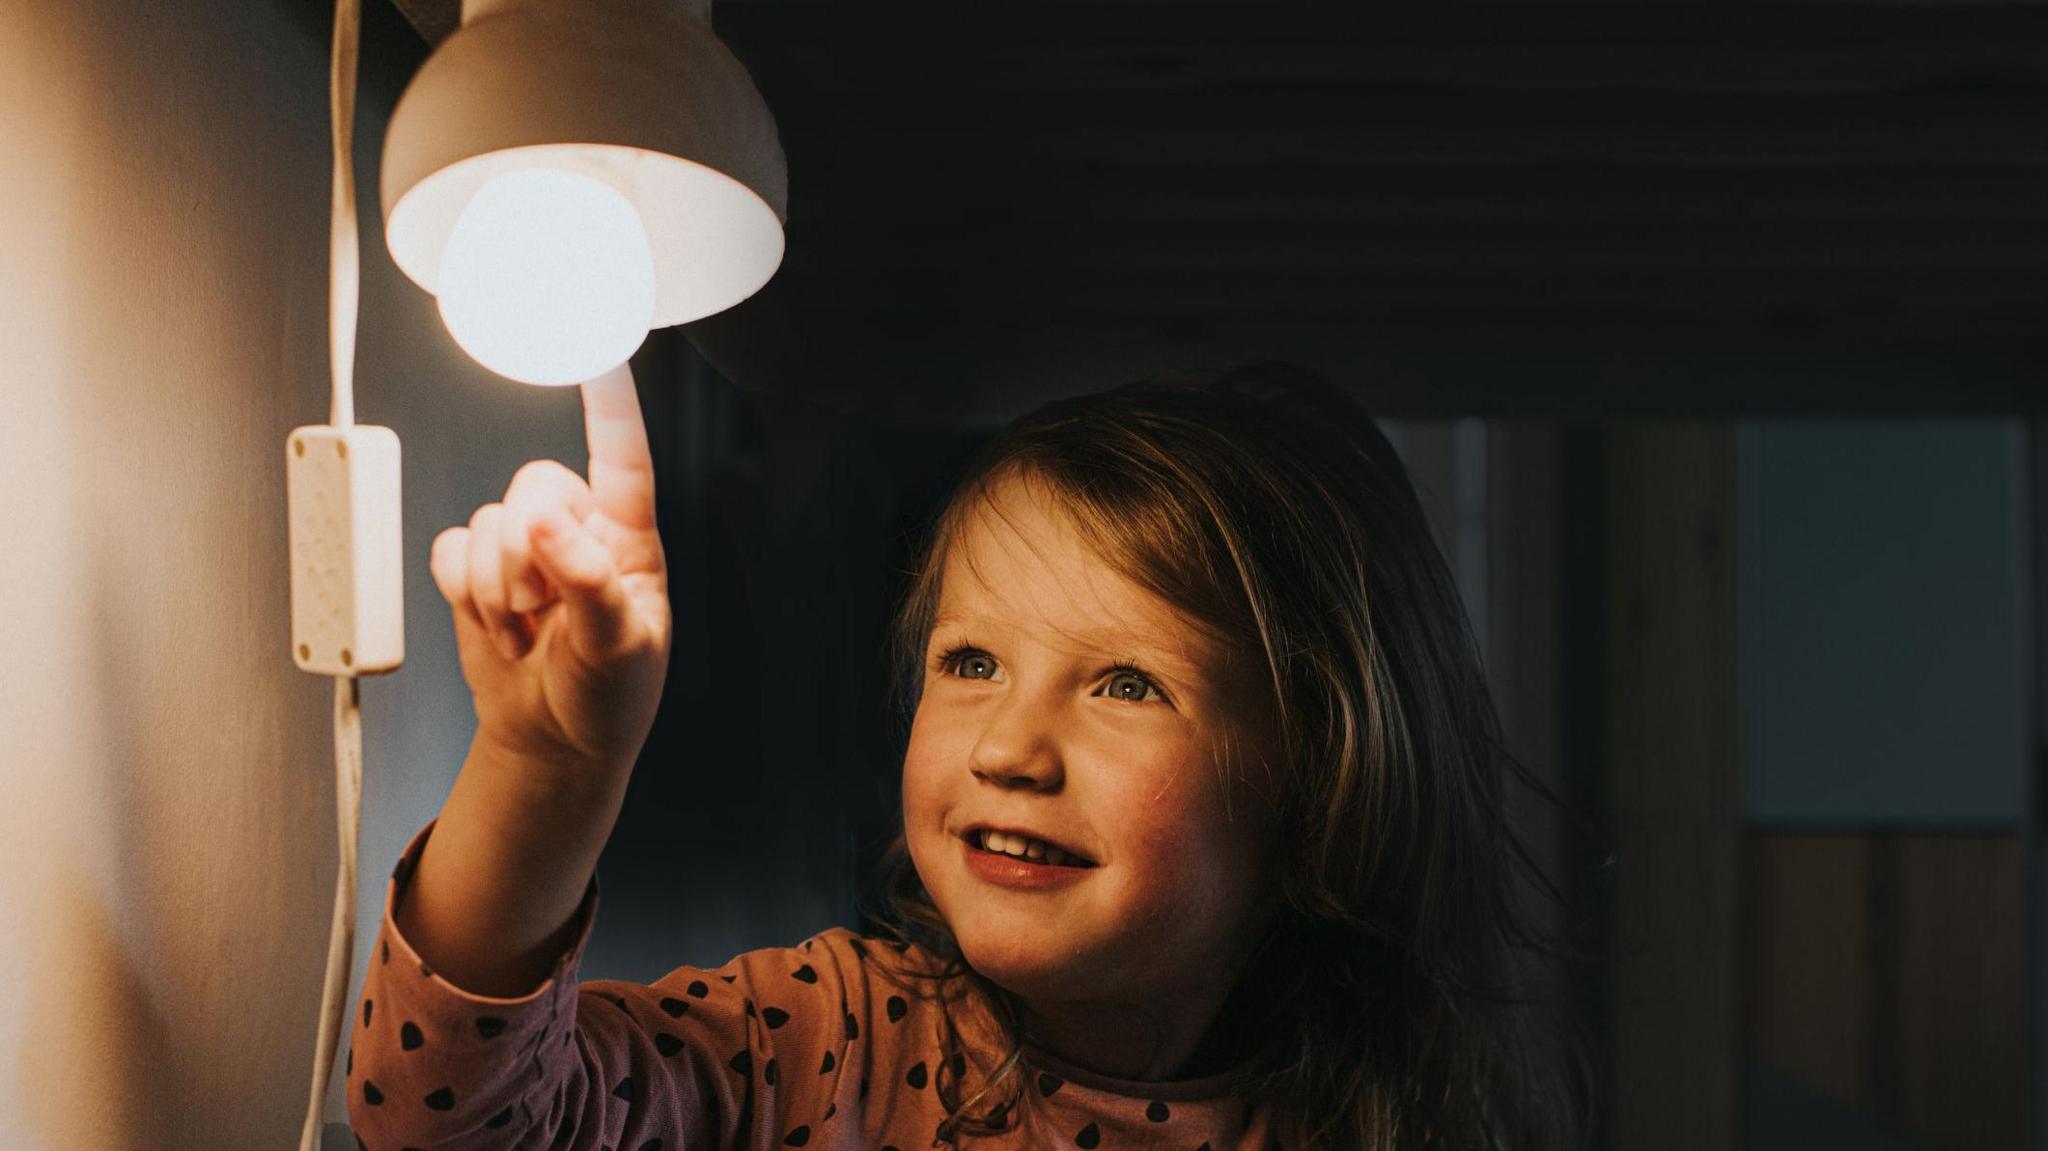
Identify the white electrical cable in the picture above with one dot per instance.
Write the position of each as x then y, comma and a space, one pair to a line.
348, 786
343, 286
344, 267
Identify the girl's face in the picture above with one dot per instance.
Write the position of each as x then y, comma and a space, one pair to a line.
1027, 725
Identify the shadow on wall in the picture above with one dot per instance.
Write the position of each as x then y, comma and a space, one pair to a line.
87, 988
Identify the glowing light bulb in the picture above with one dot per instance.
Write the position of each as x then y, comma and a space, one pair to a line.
547, 277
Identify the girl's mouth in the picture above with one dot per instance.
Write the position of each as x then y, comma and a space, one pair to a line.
1018, 871
1023, 848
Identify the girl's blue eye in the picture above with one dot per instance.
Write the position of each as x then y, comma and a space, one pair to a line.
1130, 674
966, 658
949, 662
957, 660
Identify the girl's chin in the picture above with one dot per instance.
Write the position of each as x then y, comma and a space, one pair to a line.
1021, 965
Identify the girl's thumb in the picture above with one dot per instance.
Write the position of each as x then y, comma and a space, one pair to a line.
582, 569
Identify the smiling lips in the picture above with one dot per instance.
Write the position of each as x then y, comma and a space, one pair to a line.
1022, 873
1024, 846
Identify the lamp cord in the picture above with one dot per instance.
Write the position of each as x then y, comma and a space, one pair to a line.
344, 265
348, 787
344, 284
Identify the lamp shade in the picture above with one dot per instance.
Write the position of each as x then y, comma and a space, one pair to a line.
638, 95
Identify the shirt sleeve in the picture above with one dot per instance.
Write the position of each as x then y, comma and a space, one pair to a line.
433, 1065
742, 1056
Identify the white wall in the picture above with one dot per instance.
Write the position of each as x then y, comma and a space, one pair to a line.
167, 834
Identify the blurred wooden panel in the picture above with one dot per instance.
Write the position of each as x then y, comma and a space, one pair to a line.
1811, 995
1962, 1009
1524, 532
1673, 785
1886, 973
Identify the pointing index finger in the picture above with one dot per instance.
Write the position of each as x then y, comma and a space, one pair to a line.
621, 466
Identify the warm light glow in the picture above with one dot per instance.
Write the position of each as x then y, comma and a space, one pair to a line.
547, 277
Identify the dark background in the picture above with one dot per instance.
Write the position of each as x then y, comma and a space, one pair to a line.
1711, 335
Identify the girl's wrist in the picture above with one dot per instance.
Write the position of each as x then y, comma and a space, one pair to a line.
553, 773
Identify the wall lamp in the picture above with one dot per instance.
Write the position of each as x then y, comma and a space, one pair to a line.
564, 175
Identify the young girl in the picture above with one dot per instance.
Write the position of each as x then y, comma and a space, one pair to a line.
1203, 838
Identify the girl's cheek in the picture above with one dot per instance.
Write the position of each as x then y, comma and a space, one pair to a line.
1183, 838
1164, 836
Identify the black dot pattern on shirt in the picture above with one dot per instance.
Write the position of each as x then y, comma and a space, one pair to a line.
412, 1037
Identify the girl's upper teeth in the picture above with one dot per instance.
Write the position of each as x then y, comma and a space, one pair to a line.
1023, 847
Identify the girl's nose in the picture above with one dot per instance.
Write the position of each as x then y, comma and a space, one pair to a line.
1036, 773
1016, 749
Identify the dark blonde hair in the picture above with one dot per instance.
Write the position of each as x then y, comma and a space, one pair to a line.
1400, 1001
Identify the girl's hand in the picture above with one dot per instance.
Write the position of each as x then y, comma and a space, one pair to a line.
560, 597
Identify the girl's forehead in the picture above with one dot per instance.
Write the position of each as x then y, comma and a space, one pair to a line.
1011, 553
1018, 562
